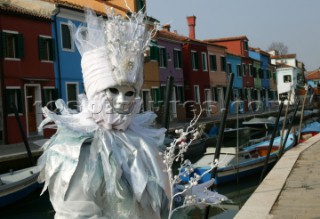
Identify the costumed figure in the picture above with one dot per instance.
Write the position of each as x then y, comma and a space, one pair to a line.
103, 161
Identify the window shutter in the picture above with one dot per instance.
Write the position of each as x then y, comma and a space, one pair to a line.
196, 61
215, 93
55, 94
165, 57
52, 50
182, 94
3, 49
8, 95
156, 53
41, 48
20, 98
224, 92
20, 46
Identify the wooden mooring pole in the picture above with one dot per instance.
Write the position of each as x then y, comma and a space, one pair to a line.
166, 113
288, 131
24, 137
221, 131
265, 166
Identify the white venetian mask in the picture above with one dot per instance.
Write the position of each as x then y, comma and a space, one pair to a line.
121, 98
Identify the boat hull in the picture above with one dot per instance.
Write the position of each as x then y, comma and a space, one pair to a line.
14, 191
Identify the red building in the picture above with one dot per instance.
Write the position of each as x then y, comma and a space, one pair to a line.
26, 69
195, 67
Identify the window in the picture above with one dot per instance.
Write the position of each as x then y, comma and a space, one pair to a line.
260, 73
140, 5
235, 94
287, 78
154, 51
162, 57
196, 93
66, 39
229, 67
177, 60
268, 74
213, 62
245, 43
72, 95
12, 45
254, 72
239, 70
155, 93
46, 48
214, 94
250, 69
180, 93
50, 95
195, 60
204, 61
244, 69
223, 63
14, 96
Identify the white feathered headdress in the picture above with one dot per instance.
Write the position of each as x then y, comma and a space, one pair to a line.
112, 50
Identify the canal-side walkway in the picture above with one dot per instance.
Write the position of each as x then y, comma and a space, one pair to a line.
292, 187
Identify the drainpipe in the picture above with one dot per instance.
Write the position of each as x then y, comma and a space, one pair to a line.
56, 12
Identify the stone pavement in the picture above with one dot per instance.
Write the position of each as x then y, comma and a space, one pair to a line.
291, 189
16, 151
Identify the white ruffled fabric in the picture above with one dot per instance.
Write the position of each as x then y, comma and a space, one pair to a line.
95, 167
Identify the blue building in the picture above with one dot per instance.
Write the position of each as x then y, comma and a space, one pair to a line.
264, 58
234, 65
67, 66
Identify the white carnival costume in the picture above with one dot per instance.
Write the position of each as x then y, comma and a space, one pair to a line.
104, 161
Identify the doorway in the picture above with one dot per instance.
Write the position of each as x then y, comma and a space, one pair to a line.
146, 100
33, 108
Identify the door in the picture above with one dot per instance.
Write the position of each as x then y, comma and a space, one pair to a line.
146, 99
173, 103
31, 109
207, 96
221, 97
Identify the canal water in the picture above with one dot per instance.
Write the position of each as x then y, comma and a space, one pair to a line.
35, 206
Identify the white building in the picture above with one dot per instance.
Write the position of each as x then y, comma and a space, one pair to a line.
286, 81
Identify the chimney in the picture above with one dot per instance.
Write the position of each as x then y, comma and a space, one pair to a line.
192, 23
166, 27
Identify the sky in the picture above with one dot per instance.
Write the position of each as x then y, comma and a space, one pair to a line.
292, 22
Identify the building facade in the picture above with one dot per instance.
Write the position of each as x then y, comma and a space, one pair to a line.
27, 71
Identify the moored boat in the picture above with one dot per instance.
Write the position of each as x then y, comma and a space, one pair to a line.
16, 185
248, 161
310, 130
262, 123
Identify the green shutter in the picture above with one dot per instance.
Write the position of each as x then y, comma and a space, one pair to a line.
175, 59
20, 51
20, 98
52, 51
41, 48
182, 94
8, 100
154, 53
3, 38
164, 57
